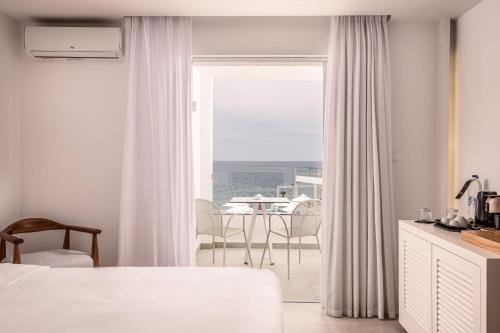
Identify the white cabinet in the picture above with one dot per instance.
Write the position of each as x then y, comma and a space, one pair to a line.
445, 284
415, 260
456, 293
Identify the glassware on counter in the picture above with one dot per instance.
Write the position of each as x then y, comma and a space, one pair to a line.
424, 214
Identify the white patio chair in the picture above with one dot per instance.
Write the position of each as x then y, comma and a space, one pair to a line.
305, 221
209, 222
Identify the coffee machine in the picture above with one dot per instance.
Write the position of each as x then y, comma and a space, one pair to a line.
493, 209
483, 205
482, 216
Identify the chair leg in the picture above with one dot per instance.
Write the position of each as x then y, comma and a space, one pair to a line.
224, 254
288, 256
269, 248
269, 252
248, 249
95, 251
300, 249
16, 259
213, 249
265, 247
319, 246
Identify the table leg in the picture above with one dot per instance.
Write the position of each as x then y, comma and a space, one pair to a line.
250, 231
264, 218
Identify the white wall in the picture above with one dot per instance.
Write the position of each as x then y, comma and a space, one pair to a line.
478, 93
73, 116
72, 132
446, 188
413, 67
261, 35
9, 121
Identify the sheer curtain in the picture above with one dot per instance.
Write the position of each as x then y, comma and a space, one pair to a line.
157, 199
359, 230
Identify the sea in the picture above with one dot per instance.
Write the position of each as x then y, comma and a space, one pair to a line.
269, 178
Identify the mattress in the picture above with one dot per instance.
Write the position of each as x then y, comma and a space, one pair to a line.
138, 300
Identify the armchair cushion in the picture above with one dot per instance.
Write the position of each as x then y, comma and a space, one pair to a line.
55, 258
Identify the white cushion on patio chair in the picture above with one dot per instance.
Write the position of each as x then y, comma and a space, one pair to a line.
55, 258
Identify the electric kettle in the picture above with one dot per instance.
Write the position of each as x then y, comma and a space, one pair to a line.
472, 195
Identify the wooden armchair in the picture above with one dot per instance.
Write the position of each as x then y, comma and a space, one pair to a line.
40, 224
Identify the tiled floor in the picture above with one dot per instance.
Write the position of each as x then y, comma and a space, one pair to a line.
303, 285
309, 318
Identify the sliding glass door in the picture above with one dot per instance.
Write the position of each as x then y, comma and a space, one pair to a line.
258, 130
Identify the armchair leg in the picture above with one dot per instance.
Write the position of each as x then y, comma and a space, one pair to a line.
213, 249
3, 249
300, 249
269, 252
66, 240
269, 244
288, 256
17, 254
95, 251
224, 254
319, 246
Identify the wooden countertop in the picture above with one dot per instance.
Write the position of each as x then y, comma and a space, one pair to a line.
486, 239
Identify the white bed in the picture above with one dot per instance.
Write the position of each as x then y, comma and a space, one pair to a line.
138, 300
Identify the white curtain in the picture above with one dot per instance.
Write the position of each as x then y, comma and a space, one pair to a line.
359, 230
157, 201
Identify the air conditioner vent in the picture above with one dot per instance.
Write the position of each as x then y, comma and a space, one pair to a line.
68, 43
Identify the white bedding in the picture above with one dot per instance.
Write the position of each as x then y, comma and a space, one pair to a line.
138, 300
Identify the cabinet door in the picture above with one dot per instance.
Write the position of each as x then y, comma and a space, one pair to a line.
415, 262
456, 292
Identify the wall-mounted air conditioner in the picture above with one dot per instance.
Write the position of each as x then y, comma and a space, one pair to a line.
73, 43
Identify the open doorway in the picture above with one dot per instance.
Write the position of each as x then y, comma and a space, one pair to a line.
258, 130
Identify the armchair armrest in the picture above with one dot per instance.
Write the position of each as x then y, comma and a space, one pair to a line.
231, 218
94, 232
5, 237
84, 229
11, 239
288, 230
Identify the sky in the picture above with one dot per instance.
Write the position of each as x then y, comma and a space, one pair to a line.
267, 120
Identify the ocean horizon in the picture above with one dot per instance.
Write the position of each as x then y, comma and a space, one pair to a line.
248, 178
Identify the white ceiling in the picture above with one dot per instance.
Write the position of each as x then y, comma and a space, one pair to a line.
415, 10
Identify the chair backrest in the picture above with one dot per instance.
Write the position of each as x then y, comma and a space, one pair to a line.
32, 225
29, 225
307, 217
208, 216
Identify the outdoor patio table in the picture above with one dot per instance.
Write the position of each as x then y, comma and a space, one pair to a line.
259, 206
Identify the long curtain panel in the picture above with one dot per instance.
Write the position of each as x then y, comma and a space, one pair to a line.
157, 198
359, 229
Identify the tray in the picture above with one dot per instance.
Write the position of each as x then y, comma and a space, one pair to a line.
424, 221
450, 228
